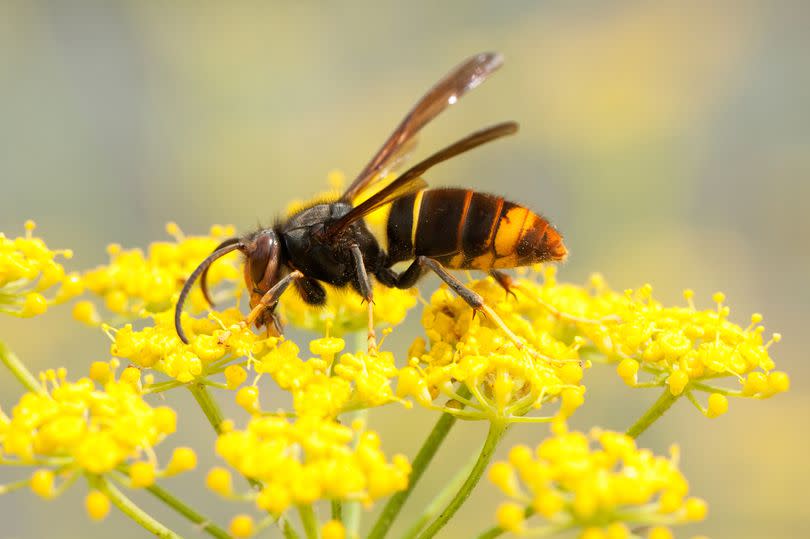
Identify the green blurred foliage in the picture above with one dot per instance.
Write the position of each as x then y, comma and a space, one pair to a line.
667, 140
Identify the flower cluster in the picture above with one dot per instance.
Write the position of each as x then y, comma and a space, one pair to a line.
28, 271
344, 313
213, 343
134, 282
94, 425
601, 490
682, 348
504, 381
327, 385
307, 460
528, 348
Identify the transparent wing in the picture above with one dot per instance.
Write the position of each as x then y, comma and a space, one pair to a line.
446, 92
410, 181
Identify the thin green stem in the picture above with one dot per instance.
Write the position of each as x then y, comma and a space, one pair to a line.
309, 521
497, 531
209, 406
128, 507
337, 510
426, 453
214, 414
19, 371
189, 513
351, 516
441, 498
289, 531
664, 402
496, 432
16, 485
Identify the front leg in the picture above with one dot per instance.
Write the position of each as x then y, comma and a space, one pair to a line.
363, 284
270, 298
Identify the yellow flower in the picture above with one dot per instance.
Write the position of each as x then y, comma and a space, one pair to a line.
345, 312
323, 387
28, 270
133, 281
682, 348
505, 382
77, 425
213, 342
310, 459
602, 489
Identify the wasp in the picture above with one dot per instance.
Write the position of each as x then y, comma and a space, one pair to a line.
436, 229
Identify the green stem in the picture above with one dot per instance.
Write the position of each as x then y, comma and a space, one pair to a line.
214, 414
289, 531
128, 507
496, 431
664, 402
19, 371
190, 514
337, 510
352, 511
426, 453
309, 521
209, 406
441, 498
17, 485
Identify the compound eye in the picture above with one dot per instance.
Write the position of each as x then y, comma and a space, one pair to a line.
264, 258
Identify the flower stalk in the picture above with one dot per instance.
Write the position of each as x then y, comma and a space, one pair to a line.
190, 514
208, 405
129, 508
426, 453
441, 498
496, 432
23, 375
309, 521
659, 407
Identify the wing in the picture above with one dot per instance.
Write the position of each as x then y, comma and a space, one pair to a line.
447, 91
410, 181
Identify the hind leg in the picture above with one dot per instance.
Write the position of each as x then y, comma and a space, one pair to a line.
417, 269
504, 280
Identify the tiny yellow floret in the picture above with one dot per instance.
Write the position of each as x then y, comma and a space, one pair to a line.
660, 532
718, 405
97, 505
219, 480
183, 459
333, 529
142, 474
242, 526
510, 516
42, 483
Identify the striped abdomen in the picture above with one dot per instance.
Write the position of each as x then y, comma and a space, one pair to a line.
464, 229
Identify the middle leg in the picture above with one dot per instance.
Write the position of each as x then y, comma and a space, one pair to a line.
363, 284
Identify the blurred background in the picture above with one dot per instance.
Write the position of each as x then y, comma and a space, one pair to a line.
669, 141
